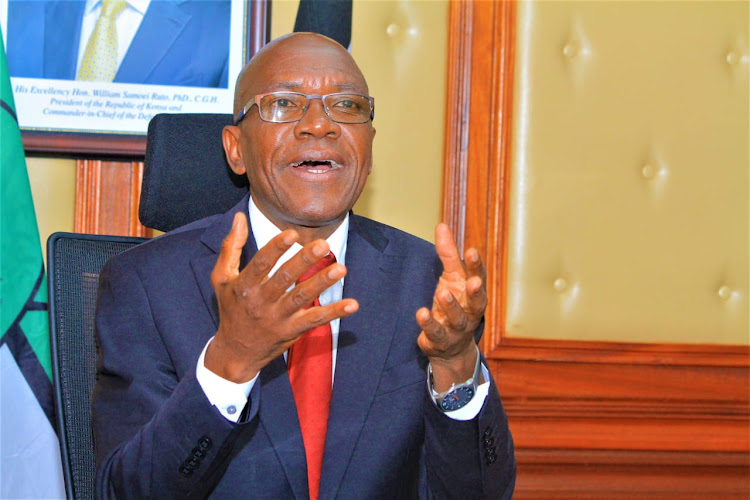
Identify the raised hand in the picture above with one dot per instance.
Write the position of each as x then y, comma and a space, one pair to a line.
258, 318
447, 336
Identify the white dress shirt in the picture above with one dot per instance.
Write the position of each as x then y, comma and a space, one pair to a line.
230, 398
127, 24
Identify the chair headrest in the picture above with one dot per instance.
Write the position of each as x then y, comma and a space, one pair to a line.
186, 176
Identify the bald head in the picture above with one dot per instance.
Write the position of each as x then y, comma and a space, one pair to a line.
259, 74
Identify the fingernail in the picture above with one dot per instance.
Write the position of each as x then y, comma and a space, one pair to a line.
288, 239
319, 250
350, 308
448, 297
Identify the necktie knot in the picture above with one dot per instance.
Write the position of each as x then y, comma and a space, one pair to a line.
112, 8
324, 262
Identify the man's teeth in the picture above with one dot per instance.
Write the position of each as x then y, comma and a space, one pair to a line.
310, 166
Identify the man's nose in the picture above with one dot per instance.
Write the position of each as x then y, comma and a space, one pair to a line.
316, 122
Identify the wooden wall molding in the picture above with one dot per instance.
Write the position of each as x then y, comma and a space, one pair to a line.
589, 419
107, 196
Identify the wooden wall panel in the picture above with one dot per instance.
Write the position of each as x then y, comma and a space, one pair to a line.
590, 419
107, 196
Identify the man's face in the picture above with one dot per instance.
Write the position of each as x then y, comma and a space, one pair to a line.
307, 173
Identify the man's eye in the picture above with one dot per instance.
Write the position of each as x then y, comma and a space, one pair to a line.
281, 103
347, 105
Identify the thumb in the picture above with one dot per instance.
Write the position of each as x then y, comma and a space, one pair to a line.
228, 265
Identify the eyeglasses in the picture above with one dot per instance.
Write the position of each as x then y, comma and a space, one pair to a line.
285, 107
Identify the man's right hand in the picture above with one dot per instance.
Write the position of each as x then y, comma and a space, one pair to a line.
258, 318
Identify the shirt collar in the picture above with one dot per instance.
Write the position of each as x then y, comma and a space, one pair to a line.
264, 230
140, 5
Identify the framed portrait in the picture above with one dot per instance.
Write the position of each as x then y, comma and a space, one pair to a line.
77, 93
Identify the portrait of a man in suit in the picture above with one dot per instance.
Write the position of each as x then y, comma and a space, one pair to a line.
156, 42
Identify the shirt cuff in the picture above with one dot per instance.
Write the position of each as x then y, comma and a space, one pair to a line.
229, 398
473, 407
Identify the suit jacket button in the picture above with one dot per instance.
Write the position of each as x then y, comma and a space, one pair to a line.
186, 471
198, 453
205, 443
487, 432
489, 442
491, 460
193, 463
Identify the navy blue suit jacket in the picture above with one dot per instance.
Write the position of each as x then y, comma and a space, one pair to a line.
157, 435
179, 42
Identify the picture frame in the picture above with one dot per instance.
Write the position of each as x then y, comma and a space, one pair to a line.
60, 115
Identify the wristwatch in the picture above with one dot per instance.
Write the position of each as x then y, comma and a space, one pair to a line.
458, 395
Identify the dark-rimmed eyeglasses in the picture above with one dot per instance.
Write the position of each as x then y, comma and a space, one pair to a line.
285, 107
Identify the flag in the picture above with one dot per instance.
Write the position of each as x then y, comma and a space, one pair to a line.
30, 465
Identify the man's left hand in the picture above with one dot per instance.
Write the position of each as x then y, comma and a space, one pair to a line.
447, 336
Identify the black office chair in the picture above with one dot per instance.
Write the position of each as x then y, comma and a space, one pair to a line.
74, 261
185, 178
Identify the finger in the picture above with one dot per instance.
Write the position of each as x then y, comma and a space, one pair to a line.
474, 265
306, 319
453, 315
263, 261
447, 250
431, 327
305, 293
477, 296
288, 274
228, 264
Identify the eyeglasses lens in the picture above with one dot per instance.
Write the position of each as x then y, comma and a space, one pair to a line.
283, 107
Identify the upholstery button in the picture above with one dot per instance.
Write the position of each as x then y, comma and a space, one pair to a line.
570, 50
198, 453
732, 57
186, 471
205, 443
724, 292
560, 285
648, 172
231, 409
392, 30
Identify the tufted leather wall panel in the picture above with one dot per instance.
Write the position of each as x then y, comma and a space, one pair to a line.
628, 215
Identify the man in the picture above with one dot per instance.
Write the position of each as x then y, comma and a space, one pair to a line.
158, 42
200, 329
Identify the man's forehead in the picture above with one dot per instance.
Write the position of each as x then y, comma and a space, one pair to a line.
299, 62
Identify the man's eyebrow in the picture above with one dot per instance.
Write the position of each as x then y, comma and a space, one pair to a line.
297, 87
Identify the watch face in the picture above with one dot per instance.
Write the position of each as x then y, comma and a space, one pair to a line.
457, 398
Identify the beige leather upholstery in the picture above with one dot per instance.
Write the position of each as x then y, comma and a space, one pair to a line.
629, 197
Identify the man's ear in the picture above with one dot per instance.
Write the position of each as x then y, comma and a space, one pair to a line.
230, 137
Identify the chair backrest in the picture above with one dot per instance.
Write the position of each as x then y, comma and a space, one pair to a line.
74, 261
186, 176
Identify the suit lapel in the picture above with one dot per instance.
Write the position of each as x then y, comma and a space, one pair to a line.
212, 237
364, 340
360, 359
278, 413
161, 25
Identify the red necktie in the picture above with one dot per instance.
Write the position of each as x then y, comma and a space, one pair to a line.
309, 366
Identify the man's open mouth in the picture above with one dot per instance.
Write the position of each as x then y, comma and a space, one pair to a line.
317, 166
